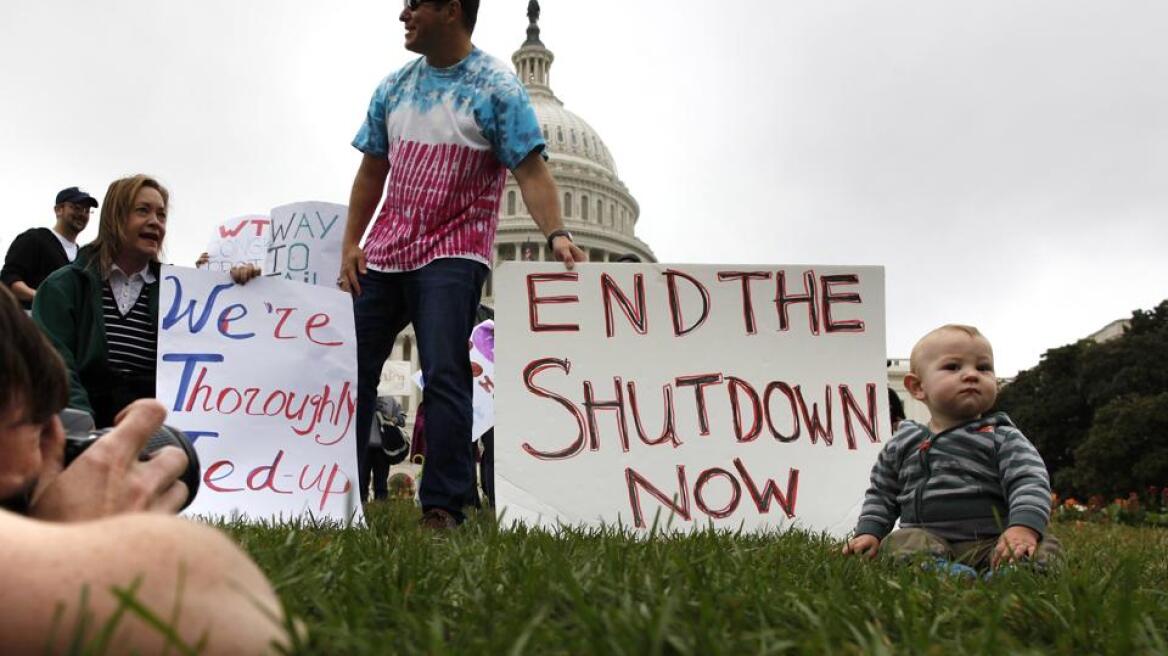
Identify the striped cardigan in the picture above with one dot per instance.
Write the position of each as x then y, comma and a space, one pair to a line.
966, 483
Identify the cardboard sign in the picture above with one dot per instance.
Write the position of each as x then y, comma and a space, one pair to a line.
684, 396
482, 365
263, 377
306, 242
242, 240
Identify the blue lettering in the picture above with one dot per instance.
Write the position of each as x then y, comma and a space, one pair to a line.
226, 317
195, 435
189, 361
173, 315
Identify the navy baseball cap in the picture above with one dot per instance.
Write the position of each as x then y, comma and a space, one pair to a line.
75, 196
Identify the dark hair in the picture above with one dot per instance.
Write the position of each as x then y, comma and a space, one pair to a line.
470, 14
895, 407
32, 374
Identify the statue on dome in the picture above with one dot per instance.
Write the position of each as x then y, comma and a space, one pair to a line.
533, 11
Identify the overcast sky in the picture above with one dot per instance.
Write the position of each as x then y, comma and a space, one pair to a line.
1007, 162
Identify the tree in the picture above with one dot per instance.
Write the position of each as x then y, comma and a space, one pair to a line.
1049, 405
1126, 449
1097, 412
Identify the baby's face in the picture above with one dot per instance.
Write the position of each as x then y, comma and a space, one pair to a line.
957, 376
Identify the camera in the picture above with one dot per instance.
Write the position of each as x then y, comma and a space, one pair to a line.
80, 434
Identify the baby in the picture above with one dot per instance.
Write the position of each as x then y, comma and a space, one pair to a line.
968, 486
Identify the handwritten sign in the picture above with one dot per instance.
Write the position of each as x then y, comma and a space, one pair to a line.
242, 240
482, 367
306, 242
262, 376
395, 378
688, 396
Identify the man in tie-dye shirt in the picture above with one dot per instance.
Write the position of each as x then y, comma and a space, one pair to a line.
439, 137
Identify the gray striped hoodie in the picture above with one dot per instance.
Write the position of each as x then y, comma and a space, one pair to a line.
966, 483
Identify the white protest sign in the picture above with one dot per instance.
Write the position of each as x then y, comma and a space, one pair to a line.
395, 378
482, 366
688, 395
262, 376
306, 242
242, 240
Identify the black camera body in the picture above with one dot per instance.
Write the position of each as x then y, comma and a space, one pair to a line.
80, 434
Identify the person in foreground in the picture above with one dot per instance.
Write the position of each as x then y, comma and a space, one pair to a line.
439, 136
74, 536
101, 311
968, 487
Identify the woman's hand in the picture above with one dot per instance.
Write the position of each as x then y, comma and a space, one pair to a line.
244, 272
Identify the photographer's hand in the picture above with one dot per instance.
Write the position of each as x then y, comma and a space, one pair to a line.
108, 479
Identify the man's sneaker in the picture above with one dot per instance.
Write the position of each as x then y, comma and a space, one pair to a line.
438, 519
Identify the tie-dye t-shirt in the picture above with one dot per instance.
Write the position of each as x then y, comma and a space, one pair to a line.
450, 135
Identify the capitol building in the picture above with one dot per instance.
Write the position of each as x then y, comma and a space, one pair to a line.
597, 207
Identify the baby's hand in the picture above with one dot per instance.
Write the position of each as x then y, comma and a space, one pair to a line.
862, 545
1017, 542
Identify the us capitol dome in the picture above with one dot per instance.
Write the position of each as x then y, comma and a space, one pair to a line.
597, 207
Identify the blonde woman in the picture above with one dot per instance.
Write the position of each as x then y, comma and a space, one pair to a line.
101, 311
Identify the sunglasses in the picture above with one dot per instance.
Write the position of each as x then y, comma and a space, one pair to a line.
413, 5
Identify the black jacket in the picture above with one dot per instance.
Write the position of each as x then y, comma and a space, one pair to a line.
33, 255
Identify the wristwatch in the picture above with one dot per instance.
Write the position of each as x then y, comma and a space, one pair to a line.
557, 233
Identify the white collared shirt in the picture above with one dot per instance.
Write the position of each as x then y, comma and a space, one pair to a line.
69, 246
127, 288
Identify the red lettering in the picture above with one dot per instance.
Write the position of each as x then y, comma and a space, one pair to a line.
851, 407
270, 472
699, 383
210, 479
679, 327
829, 297
637, 316
762, 500
284, 314
700, 486
591, 405
534, 301
815, 429
318, 320
225, 232
635, 480
783, 299
736, 386
529, 373
785, 389
668, 431
200, 387
747, 302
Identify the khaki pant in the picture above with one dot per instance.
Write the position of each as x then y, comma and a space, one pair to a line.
910, 543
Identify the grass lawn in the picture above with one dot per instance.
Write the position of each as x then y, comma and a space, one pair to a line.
392, 588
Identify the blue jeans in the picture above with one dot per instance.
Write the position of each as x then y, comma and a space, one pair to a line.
440, 299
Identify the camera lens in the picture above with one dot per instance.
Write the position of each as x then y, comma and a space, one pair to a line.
76, 442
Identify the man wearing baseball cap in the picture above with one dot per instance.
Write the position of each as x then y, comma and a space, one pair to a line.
37, 252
